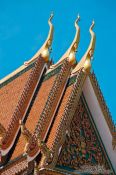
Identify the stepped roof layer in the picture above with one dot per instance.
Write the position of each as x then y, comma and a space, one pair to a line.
39, 104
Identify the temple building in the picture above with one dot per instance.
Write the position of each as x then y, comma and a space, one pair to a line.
53, 117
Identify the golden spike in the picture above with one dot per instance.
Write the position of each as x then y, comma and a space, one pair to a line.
44, 50
85, 62
70, 53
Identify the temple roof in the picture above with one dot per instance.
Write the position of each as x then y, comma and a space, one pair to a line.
38, 103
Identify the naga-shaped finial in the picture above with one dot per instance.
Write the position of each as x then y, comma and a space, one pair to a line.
85, 62
74, 45
91, 47
49, 39
70, 53
45, 49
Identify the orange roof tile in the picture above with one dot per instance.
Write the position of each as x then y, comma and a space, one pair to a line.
34, 114
9, 96
58, 117
19, 148
39, 103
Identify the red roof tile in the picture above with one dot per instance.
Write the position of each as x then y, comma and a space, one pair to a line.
9, 96
58, 117
34, 114
39, 103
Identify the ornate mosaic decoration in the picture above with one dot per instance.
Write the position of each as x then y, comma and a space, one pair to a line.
81, 146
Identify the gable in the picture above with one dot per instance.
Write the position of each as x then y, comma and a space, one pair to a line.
82, 144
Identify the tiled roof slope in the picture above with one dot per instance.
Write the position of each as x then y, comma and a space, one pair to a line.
23, 102
36, 109
53, 130
34, 114
9, 96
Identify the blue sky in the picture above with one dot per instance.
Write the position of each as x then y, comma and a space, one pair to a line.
24, 27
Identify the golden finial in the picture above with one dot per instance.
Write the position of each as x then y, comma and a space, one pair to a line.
86, 59
93, 39
74, 45
70, 53
44, 50
50, 35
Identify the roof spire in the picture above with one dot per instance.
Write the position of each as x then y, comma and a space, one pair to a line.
74, 45
85, 62
70, 53
44, 50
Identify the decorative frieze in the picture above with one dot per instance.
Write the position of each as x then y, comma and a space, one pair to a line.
82, 147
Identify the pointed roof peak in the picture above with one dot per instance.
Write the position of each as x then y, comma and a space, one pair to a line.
49, 39
70, 53
85, 62
44, 50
